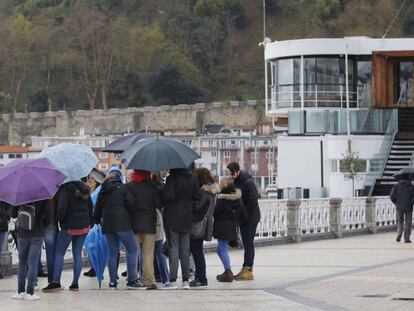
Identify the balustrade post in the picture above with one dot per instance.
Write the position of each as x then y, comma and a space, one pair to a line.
293, 229
6, 267
371, 222
335, 217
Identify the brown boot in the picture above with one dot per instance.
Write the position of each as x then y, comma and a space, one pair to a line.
238, 274
246, 274
227, 276
220, 275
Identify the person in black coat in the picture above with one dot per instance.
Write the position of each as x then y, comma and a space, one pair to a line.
250, 197
402, 195
180, 194
32, 218
112, 212
4, 224
142, 200
203, 214
225, 223
74, 213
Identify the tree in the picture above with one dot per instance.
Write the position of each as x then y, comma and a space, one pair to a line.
327, 9
169, 84
93, 38
15, 50
351, 165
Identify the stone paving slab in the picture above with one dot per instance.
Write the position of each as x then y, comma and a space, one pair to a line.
357, 273
156, 300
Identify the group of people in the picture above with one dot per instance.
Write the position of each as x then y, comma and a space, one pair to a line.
149, 217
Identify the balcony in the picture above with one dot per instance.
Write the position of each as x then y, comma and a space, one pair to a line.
332, 96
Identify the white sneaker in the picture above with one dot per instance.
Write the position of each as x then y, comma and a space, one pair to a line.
186, 285
18, 296
169, 285
31, 297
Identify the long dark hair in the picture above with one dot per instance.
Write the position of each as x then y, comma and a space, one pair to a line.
76, 189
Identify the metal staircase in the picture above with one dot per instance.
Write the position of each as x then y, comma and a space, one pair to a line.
400, 154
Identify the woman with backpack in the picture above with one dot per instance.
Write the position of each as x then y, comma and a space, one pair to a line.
30, 226
202, 218
229, 208
74, 213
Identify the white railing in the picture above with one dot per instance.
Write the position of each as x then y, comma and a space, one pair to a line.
353, 213
385, 214
313, 99
273, 221
314, 216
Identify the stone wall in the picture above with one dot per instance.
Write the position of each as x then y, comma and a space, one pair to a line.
18, 128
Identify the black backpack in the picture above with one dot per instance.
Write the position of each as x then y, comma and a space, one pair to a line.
26, 217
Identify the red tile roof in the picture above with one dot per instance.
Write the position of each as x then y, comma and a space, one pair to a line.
13, 149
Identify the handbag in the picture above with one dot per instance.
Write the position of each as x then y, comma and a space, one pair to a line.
198, 229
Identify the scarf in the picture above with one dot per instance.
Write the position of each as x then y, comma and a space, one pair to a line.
140, 176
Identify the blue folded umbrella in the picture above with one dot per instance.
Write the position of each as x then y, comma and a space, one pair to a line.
97, 249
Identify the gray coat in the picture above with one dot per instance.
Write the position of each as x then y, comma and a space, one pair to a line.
205, 206
402, 195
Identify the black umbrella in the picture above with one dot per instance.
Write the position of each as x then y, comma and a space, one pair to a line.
158, 153
123, 143
404, 171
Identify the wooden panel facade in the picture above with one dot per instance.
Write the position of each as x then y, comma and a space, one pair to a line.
385, 77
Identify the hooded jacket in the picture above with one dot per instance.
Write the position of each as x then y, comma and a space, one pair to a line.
75, 206
225, 219
111, 207
142, 199
402, 195
180, 194
250, 196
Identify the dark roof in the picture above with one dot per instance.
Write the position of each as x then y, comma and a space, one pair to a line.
212, 128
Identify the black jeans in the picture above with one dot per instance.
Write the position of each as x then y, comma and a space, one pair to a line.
196, 247
404, 220
248, 231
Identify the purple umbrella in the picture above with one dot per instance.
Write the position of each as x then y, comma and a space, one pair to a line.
23, 181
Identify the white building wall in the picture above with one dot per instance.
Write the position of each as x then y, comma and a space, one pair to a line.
299, 162
365, 146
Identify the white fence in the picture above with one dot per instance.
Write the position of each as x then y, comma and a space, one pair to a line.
313, 215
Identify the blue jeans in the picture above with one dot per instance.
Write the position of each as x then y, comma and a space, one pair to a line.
128, 239
29, 252
2, 236
223, 253
161, 261
62, 244
51, 235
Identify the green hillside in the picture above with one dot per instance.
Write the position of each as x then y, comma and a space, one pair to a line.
94, 54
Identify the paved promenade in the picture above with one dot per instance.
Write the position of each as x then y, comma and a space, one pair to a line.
368, 272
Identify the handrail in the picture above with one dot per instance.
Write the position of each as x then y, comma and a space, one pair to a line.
412, 160
391, 132
313, 97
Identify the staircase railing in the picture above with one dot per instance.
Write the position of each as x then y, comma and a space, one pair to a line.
379, 160
412, 160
